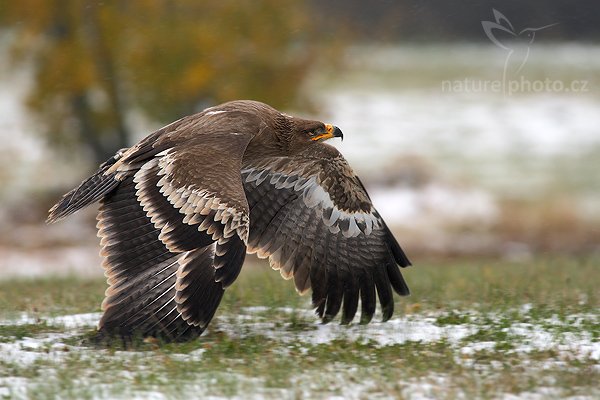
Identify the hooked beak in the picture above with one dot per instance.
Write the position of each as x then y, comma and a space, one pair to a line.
332, 131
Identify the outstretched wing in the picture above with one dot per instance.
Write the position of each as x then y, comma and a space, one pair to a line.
174, 224
313, 218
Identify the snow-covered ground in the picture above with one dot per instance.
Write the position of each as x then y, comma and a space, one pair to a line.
564, 341
543, 334
426, 328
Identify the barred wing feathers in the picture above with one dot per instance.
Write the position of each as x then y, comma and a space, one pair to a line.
173, 223
313, 218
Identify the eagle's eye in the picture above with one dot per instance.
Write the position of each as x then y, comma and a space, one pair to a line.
314, 132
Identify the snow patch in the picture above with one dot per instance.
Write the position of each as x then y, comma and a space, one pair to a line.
435, 204
88, 320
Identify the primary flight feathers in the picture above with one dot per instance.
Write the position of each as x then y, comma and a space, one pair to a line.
180, 210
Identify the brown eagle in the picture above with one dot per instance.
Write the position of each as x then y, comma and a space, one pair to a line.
180, 210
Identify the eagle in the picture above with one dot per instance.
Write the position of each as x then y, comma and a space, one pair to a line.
180, 210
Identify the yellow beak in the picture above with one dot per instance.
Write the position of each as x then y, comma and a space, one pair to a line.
332, 131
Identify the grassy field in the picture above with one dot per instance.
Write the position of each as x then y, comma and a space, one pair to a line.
471, 329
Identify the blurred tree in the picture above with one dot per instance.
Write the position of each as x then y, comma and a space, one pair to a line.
95, 61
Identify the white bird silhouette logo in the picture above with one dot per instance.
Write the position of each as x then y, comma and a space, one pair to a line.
517, 44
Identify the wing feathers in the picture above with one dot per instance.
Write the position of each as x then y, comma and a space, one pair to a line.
228, 260
140, 270
162, 269
399, 256
343, 255
350, 305
198, 294
396, 279
367, 298
302, 267
384, 291
88, 192
334, 295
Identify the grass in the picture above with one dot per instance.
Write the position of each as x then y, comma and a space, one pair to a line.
486, 315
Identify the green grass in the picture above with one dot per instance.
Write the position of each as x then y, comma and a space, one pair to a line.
50, 296
9, 333
269, 353
435, 285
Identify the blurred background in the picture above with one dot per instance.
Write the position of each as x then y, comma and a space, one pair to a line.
475, 125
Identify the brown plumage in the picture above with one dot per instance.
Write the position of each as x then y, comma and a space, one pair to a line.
180, 209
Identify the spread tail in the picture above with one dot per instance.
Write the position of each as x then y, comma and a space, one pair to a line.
88, 192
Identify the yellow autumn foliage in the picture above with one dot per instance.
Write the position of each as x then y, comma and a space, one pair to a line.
95, 61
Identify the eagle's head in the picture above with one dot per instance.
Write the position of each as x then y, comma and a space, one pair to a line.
280, 134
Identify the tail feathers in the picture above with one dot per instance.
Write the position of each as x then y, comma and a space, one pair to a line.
88, 192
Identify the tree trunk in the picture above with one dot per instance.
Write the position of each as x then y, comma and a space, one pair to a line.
88, 131
108, 76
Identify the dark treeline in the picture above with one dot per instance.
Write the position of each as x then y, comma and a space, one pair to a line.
451, 20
